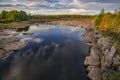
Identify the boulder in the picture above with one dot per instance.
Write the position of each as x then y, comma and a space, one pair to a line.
116, 62
107, 59
95, 53
90, 61
94, 58
104, 43
95, 74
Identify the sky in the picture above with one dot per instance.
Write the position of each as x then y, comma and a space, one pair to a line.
50, 7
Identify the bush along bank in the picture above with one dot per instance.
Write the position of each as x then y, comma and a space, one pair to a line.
103, 60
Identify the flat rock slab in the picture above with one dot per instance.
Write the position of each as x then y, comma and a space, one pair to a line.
9, 44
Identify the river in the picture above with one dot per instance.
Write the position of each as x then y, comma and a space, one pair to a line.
53, 52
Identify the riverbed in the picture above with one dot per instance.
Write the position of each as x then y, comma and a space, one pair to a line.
53, 52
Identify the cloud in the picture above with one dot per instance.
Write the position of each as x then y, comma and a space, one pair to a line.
60, 6
36, 40
101, 1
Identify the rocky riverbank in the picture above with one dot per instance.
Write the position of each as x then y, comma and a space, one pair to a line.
86, 23
103, 59
9, 43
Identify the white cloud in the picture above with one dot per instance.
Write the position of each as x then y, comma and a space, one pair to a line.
60, 6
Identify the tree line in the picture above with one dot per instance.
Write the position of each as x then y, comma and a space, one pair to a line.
60, 16
109, 23
13, 16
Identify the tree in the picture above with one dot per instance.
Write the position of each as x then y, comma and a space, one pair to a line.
102, 12
12, 16
23, 16
3, 14
98, 19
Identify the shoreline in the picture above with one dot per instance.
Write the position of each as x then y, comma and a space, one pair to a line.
85, 23
9, 44
103, 59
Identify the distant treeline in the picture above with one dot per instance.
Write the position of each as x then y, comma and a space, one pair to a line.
60, 16
13, 16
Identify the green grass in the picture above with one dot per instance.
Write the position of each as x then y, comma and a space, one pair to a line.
14, 24
115, 76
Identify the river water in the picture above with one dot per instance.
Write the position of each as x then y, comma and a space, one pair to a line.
53, 52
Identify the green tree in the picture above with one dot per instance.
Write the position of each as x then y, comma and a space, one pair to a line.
23, 16
12, 16
98, 18
3, 14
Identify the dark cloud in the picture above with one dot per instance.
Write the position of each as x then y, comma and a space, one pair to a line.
10, 5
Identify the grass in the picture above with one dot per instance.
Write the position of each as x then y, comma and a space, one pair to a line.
14, 24
115, 76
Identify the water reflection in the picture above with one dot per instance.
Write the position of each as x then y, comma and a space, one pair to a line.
53, 53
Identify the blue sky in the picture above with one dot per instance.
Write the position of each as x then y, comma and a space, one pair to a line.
60, 6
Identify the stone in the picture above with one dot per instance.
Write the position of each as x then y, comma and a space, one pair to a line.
95, 53
7, 39
104, 43
2, 53
89, 68
95, 74
105, 76
107, 59
90, 61
116, 62
13, 46
94, 58
109, 56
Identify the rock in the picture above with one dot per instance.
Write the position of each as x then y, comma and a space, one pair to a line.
2, 53
93, 59
109, 56
104, 76
104, 43
95, 53
89, 68
95, 74
13, 46
90, 61
103, 59
6, 40
108, 59
116, 62
2, 46
92, 37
